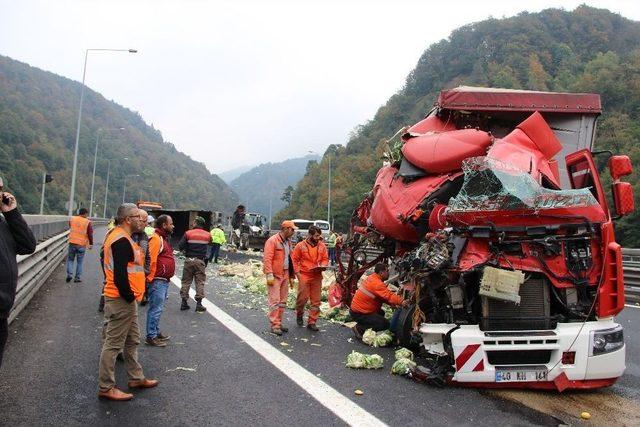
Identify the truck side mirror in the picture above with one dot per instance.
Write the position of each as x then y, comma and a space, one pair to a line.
619, 166
623, 198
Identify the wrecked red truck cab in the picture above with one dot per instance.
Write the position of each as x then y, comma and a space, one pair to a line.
493, 217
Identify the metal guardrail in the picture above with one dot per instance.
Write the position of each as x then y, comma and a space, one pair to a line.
45, 226
35, 269
631, 267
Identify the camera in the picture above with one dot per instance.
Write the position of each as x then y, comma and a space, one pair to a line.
5, 199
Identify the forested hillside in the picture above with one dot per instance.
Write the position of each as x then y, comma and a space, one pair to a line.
268, 181
38, 115
585, 50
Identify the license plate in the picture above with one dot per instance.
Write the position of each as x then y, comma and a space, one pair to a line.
520, 375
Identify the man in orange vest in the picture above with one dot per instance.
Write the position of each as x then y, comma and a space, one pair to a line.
125, 281
278, 267
366, 306
309, 257
80, 237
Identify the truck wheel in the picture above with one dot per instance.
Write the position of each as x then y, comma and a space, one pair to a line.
404, 329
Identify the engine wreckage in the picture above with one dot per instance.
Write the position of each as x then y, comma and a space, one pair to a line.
512, 267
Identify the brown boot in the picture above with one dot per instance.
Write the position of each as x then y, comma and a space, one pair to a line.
312, 327
276, 330
115, 394
143, 383
155, 342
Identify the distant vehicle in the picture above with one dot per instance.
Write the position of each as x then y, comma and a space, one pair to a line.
303, 227
253, 233
148, 206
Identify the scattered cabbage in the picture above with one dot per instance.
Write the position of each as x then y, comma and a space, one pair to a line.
369, 336
357, 360
380, 339
404, 353
373, 361
383, 339
402, 366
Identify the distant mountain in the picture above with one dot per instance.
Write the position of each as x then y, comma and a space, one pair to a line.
268, 181
231, 174
584, 50
38, 113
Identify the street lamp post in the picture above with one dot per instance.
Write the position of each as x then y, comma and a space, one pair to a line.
328, 188
95, 159
124, 187
75, 151
106, 191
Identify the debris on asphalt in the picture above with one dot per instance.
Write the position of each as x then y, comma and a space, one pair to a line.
181, 368
284, 344
358, 392
356, 360
585, 415
380, 339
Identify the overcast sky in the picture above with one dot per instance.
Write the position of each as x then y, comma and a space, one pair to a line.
234, 83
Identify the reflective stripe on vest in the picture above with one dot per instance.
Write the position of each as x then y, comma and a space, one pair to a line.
365, 291
198, 242
135, 269
78, 227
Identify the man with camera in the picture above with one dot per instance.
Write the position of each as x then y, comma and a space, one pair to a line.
15, 238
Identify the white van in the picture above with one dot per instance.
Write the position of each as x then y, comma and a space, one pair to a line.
303, 228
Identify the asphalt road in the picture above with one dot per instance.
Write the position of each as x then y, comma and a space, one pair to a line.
49, 376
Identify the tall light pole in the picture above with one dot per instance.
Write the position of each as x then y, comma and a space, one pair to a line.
329, 196
124, 187
106, 191
75, 152
328, 188
95, 159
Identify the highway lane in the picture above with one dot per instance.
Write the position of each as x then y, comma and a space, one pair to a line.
51, 369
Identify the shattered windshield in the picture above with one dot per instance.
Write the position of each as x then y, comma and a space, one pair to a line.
491, 185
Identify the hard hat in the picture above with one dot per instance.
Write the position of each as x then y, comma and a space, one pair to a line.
150, 219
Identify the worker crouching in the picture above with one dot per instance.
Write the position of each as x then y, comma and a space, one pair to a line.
310, 257
366, 306
278, 267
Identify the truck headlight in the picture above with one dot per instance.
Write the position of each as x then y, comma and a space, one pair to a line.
606, 341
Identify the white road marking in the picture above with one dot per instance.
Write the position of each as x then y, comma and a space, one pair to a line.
326, 395
632, 306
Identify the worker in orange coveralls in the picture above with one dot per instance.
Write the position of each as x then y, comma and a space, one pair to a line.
309, 258
278, 268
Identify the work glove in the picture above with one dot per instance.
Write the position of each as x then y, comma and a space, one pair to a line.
270, 279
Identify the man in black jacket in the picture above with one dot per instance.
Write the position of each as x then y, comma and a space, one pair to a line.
15, 238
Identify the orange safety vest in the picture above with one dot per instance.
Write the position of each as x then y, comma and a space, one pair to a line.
135, 269
78, 231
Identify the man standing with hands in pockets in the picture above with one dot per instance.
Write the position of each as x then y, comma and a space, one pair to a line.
278, 267
310, 257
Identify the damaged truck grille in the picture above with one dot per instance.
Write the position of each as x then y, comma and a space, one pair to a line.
533, 312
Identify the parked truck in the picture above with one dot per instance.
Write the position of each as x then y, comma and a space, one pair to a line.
496, 224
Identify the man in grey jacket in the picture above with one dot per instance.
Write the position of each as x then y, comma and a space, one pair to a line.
15, 238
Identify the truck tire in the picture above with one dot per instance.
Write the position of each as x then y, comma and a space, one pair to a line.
404, 329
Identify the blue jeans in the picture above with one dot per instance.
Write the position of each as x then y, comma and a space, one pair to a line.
332, 255
156, 295
76, 253
214, 252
